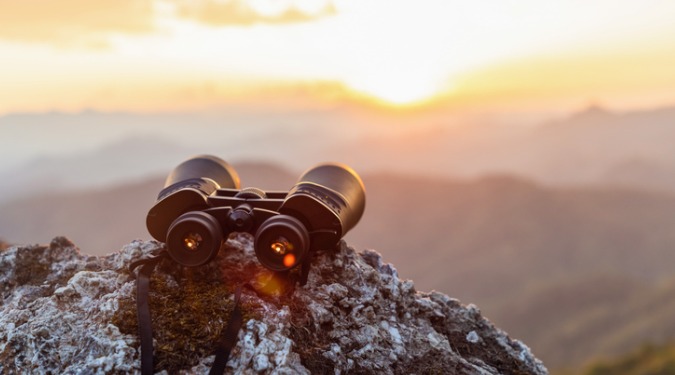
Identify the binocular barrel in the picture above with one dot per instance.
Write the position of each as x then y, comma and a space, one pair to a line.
186, 191
338, 190
204, 166
326, 202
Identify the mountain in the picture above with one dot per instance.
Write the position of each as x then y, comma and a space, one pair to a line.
648, 359
595, 147
112, 164
120, 208
589, 268
65, 312
517, 230
596, 316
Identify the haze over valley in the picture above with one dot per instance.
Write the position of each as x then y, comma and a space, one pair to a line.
593, 147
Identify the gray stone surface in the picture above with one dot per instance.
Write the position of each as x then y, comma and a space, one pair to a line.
62, 312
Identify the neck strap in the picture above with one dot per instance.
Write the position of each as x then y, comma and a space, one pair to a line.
225, 344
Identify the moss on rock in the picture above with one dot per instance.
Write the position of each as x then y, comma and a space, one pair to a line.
189, 314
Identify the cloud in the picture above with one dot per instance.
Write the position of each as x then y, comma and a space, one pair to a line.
73, 21
247, 13
89, 23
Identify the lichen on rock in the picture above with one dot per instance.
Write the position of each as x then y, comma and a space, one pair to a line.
64, 312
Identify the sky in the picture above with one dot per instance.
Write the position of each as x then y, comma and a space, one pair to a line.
180, 55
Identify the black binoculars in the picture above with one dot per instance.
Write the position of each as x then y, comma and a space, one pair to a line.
202, 203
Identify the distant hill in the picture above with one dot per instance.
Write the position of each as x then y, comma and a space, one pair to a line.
575, 273
594, 147
122, 208
600, 315
505, 225
115, 163
647, 360
597, 146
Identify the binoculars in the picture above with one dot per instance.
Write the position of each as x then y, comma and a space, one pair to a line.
202, 203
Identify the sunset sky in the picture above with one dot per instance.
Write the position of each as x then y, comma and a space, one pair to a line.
173, 55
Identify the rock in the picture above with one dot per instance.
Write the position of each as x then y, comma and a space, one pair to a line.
64, 312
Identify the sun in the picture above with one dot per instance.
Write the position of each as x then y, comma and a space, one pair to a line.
395, 90
393, 65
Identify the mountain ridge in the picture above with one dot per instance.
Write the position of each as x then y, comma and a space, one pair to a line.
593, 147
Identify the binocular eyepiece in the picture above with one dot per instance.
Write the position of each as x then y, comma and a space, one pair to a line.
202, 203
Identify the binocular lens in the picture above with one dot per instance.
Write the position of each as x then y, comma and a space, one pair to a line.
281, 243
194, 239
208, 166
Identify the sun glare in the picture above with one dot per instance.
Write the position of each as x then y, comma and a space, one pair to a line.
400, 90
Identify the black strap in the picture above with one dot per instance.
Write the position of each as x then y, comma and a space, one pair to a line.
157, 255
229, 337
143, 310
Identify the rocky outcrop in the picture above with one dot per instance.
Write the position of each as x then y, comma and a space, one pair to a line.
65, 312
